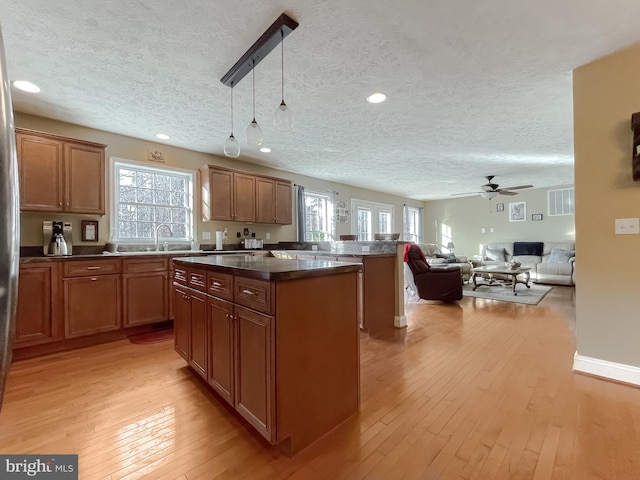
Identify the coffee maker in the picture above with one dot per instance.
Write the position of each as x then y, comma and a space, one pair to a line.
56, 238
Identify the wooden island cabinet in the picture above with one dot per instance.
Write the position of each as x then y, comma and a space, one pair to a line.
281, 340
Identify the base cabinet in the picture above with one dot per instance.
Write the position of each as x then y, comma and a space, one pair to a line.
91, 305
255, 382
37, 312
293, 383
145, 291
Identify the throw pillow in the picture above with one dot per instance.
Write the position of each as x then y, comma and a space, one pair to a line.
497, 255
560, 256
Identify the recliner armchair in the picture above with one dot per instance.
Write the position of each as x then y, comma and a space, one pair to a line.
434, 282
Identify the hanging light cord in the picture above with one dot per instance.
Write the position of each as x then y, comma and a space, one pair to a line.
253, 74
282, 60
232, 110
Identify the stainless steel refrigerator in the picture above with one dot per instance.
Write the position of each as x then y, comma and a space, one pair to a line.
9, 223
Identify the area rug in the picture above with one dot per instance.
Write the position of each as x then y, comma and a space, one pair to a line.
156, 336
503, 293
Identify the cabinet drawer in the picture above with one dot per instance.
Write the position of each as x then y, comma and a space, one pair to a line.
136, 265
197, 279
83, 268
180, 275
256, 294
220, 285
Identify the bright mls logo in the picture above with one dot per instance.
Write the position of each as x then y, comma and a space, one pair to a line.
50, 467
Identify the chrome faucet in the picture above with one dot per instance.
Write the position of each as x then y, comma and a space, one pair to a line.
157, 237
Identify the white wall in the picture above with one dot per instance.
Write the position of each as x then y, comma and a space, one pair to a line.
469, 215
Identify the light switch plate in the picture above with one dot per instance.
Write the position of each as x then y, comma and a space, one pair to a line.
365, 248
627, 226
206, 235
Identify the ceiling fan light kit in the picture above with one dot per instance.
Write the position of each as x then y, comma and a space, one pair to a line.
275, 34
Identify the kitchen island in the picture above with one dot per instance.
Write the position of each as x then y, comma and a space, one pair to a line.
276, 339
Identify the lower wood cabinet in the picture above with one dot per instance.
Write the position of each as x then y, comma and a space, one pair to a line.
221, 371
190, 327
37, 313
145, 290
91, 305
255, 382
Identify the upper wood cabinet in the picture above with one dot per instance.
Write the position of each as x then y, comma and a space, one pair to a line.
273, 201
230, 195
59, 174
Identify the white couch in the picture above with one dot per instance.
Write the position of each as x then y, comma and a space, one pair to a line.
554, 265
433, 255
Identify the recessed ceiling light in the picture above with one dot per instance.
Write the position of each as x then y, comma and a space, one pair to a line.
26, 86
265, 149
376, 97
162, 136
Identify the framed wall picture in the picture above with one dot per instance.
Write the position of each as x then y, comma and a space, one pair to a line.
536, 217
89, 231
500, 207
518, 212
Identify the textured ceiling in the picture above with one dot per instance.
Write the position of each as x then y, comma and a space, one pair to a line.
474, 88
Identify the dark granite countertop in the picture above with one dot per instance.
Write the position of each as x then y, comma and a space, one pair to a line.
106, 255
268, 268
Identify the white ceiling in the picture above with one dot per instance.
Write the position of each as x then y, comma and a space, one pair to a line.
474, 87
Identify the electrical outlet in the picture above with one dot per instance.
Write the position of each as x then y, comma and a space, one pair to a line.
483, 230
206, 235
627, 226
314, 247
365, 248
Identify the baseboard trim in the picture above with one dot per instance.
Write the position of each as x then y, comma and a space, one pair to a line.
603, 368
400, 321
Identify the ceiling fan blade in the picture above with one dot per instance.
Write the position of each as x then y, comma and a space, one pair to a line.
519, 187
466, 193
507, 192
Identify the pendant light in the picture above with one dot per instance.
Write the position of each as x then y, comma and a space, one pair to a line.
283, 117
255, 136
231, 145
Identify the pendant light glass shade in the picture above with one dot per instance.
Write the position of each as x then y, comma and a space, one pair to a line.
231, 145
283, 116
255, 137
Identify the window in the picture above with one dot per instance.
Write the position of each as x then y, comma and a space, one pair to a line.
445, 235
145, 197
561, 202
319, 222
370, 218
413, 224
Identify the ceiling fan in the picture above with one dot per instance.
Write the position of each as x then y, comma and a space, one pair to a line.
491, 190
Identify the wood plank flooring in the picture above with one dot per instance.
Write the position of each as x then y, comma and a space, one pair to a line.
474, 390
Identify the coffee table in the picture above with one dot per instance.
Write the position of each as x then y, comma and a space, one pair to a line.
511, 273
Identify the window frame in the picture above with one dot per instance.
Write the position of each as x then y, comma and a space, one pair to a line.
190, 175
406, 230
375, 208
329, 221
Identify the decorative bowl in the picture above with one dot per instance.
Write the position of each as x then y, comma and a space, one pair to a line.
386, 236
348, 237
514, 264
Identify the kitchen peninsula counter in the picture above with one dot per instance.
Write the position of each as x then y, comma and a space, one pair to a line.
276, 339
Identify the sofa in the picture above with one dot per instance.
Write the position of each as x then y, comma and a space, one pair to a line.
550, 262
434, 256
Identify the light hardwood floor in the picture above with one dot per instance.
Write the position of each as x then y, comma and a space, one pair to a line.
474, 390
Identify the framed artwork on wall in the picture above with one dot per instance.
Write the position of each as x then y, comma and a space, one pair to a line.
500, 207
89, 231
518, 212
536, 217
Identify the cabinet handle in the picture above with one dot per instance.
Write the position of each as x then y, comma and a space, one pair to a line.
94, 268
184, 297
216, 284
59, 204
93, 279
67, 204
248, 292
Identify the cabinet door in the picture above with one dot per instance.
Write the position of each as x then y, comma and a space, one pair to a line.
221, 351
265, 200
91, 305
244, 197
37, 315
181, 320
220, 196
84, 178
255, 382
198, 333
283, 199
40, 173
146, 298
